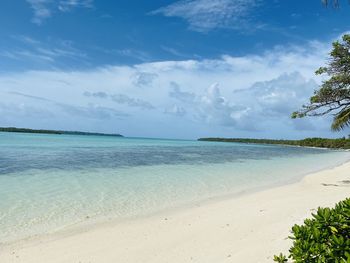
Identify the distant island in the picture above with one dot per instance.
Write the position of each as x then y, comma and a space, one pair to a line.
340, 143
25, 130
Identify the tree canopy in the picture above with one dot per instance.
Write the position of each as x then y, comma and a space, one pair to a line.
333, 97
327, 2
335, 3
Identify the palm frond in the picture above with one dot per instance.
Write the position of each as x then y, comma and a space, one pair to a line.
341, 120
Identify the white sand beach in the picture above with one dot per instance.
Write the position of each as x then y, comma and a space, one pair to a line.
249, 228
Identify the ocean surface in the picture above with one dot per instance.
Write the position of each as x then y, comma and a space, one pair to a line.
51, 182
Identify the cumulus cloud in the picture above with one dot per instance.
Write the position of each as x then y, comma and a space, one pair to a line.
250, 95
180, 95
250, 108
214, 108
143, 79
205, 15
132, 102
175, 110
283, 94
276, 99
278, 96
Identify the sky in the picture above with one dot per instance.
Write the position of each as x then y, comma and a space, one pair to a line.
166, 69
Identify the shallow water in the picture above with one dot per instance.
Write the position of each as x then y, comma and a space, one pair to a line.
48, 182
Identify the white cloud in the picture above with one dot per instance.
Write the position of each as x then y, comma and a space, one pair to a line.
281, 95
213, 108
121, 99
205, 15
250, 108
175, 110
274, 100
176, 93
43, 53
251, 95
48, 107
143, 79
132, 102
43, 9
67, 5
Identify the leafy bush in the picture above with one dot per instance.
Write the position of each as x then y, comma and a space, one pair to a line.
323, 238
280, 258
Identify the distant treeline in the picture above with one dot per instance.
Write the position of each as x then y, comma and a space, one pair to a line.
25, 130
341, 143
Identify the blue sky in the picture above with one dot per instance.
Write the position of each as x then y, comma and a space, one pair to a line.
178, 69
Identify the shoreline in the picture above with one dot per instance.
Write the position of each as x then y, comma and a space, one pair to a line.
90, 224
168, 231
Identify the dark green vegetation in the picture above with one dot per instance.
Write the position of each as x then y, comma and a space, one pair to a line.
341, 143
25, 130
334, 93
335, 3
323, 238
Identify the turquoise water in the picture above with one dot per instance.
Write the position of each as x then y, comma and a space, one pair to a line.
49, 182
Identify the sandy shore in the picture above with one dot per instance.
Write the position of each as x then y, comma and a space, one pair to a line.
249, 228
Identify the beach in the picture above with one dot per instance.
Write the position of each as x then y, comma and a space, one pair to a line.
248, 228
182, 131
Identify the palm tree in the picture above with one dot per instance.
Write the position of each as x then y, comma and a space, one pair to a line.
328, 2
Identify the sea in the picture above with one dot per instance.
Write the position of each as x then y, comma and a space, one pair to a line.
49, 183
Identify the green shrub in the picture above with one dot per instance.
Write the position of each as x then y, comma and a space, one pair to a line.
323, 238
280, 258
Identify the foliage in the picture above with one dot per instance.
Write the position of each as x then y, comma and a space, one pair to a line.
341, 143
334, 93
25, 130
323, 238
280, 258
334, 2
